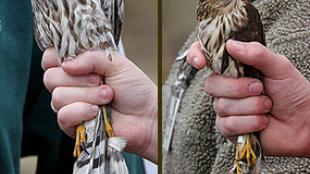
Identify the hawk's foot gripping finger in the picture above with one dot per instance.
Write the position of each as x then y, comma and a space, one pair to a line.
80, 137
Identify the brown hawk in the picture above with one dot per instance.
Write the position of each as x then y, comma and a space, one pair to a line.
220, 20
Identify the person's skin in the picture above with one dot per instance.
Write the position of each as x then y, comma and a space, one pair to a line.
281, 114
76, 92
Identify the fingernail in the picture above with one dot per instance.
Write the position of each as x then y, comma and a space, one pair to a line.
103, 93
267, 103
255, 87
239, 46
196, 61
93, 79
94, 108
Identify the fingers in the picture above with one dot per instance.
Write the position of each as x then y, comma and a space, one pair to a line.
219, 86
242, 116
236, 125
73, 114
195, 56
247, 106
63, 96
260, 57
92, 62
54, 77
50, 59
253, 54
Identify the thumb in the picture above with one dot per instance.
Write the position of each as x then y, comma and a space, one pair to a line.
91, 62
254, 54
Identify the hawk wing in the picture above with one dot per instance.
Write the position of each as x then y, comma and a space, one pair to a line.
42, 32
74, 26
252, 32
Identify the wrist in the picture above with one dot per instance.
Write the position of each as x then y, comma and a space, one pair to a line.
305, 105
151, 148
304, 112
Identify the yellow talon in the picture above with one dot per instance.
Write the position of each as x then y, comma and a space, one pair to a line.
80, 137
108, 126
244, 152
248, 152
238, 168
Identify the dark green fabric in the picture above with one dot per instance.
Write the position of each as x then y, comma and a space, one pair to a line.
15, 55
41, 135
27, 124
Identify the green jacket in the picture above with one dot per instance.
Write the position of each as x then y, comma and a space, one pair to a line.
27, 124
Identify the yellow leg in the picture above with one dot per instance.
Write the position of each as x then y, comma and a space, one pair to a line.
247, 152
238, 168
251, 157
80, 137
108, 126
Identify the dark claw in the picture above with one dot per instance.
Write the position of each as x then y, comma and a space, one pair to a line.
83, 147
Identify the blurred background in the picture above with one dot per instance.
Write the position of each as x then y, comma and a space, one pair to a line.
179, 20
140, 35
140, 42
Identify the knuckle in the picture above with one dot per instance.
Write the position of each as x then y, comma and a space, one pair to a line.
229, 126
257, 123
238, 87
218, 123
47, 79
47, 58
56, 97
62, 119
265, 104
85, 111
91, 56
257, 51
286, 63
256, 44
208, 87
257, 102
219, 106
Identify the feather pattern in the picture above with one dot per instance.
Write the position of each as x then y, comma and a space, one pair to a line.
73, 27
93, 160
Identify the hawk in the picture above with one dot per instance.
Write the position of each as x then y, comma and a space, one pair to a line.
73, 27
220, 20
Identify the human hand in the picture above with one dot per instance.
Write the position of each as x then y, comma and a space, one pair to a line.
76, 92
282, 114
